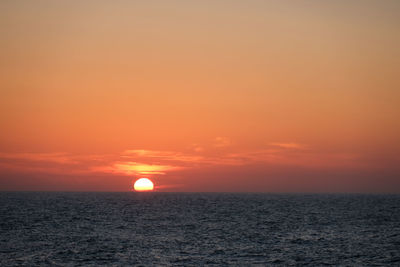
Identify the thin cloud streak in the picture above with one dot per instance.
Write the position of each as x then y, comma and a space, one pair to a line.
140, 162
61, 158
135, 168
222, 142
288, 145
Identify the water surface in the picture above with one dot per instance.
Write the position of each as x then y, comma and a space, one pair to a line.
198, 229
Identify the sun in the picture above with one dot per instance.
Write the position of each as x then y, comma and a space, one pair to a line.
143, 184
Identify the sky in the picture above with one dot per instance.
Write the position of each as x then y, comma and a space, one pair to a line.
200, 96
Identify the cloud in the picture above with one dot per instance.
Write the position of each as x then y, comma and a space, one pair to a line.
169, 186
157, 162
196, 148
135, 168
288, 145
156, 155
61, 158
222, 142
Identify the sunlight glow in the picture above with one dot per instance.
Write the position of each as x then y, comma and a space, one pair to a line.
143, 184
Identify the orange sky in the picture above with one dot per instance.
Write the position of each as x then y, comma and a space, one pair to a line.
272, 96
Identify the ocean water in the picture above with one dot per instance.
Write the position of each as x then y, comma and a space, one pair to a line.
194, 229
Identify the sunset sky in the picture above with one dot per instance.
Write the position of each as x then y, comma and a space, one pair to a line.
266, 96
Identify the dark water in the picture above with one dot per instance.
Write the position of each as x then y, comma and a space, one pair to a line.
198, 229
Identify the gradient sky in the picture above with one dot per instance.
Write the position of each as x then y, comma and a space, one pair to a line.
271, 96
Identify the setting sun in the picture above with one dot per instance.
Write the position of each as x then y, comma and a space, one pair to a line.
143, 184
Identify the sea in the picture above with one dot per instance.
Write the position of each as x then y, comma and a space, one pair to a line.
198, 229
